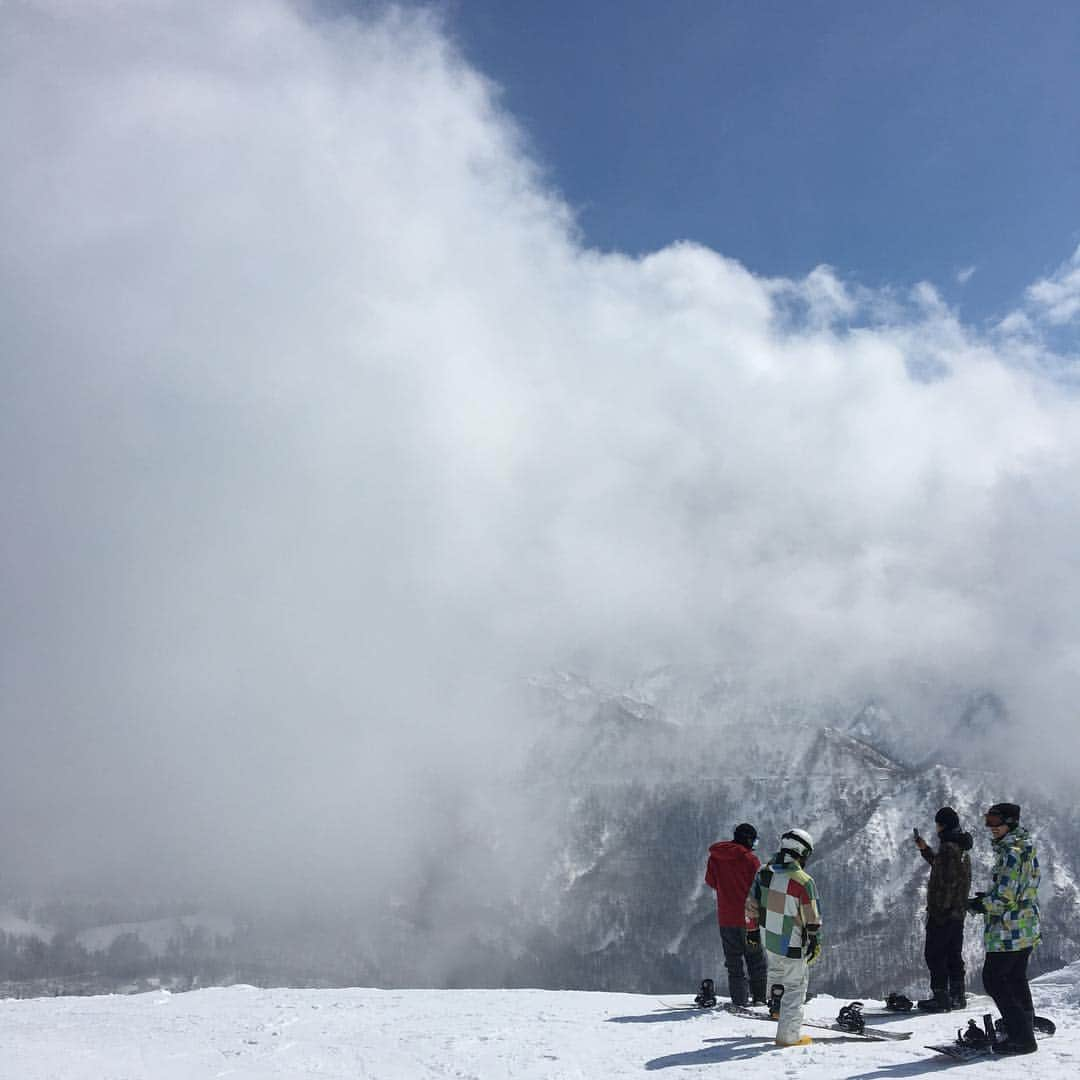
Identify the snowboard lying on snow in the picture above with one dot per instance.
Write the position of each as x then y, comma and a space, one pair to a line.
977, 1042
852, 1026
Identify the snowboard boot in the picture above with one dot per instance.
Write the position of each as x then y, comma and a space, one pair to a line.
775, 997
804, 1041
738, 990
758, 993
940, 1002
957, 994
706, 998
1008, 1048
1019, 1023
1040, 1025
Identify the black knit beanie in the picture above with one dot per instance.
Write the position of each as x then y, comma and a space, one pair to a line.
948, 818
1008, 812
745, 834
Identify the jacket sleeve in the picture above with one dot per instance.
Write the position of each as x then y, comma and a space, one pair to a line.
927, 853
753, 903
710, 874
811, 909
755, 864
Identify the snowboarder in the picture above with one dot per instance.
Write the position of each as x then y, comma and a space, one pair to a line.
946, 906
730, 872
783, 900
1010, 912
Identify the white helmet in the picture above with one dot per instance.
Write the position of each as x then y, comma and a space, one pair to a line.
797, 842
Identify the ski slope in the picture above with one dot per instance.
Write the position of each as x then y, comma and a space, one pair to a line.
245, 1033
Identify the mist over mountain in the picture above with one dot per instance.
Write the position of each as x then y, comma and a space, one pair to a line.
587, 870
855, 776
629, 787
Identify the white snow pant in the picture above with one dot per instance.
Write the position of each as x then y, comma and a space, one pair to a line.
793, 975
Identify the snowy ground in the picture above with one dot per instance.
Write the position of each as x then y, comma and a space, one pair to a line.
243, 1033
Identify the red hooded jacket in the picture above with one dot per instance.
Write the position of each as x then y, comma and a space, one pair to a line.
731, 872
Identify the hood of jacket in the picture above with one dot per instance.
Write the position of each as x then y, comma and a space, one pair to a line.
727, 851
961, 839
1018, 837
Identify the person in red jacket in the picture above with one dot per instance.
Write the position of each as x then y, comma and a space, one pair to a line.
731, 870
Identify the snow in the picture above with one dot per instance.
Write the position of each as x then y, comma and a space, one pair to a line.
244, 1033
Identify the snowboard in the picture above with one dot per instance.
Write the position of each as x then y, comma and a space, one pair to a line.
693, 1006
687, 1006
912, 1008
874, 1034
962, 1049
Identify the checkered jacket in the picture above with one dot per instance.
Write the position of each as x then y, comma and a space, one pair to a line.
1011, 919
783, 900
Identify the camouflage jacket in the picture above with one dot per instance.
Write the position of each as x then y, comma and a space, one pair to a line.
1011, 919
950, 877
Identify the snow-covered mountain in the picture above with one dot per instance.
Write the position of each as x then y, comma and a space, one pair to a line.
645, 778
585, 870
157, 936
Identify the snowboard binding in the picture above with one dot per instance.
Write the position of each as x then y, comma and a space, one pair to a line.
706, 998
776, 995
898, 1002
974, 1035
850, 1018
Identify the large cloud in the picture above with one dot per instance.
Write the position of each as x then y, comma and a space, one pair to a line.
320, 425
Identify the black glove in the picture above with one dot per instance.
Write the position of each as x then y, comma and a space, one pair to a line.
976, 905
753, 940
813, 949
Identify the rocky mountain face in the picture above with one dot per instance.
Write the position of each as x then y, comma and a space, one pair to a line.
637, 784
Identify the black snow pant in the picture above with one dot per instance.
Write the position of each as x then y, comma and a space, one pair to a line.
1004, 977
945, 955
739, 960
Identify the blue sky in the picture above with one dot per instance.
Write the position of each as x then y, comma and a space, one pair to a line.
895, 142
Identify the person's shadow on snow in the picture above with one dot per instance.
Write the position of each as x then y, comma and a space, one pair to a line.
738, 1048
661, 1016
732, 1049
905, 1068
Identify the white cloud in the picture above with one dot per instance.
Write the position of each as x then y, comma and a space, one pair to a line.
964, 275
1056, 299
317, 420
1016, 324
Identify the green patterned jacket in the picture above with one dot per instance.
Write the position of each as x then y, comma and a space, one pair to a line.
1011, 919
